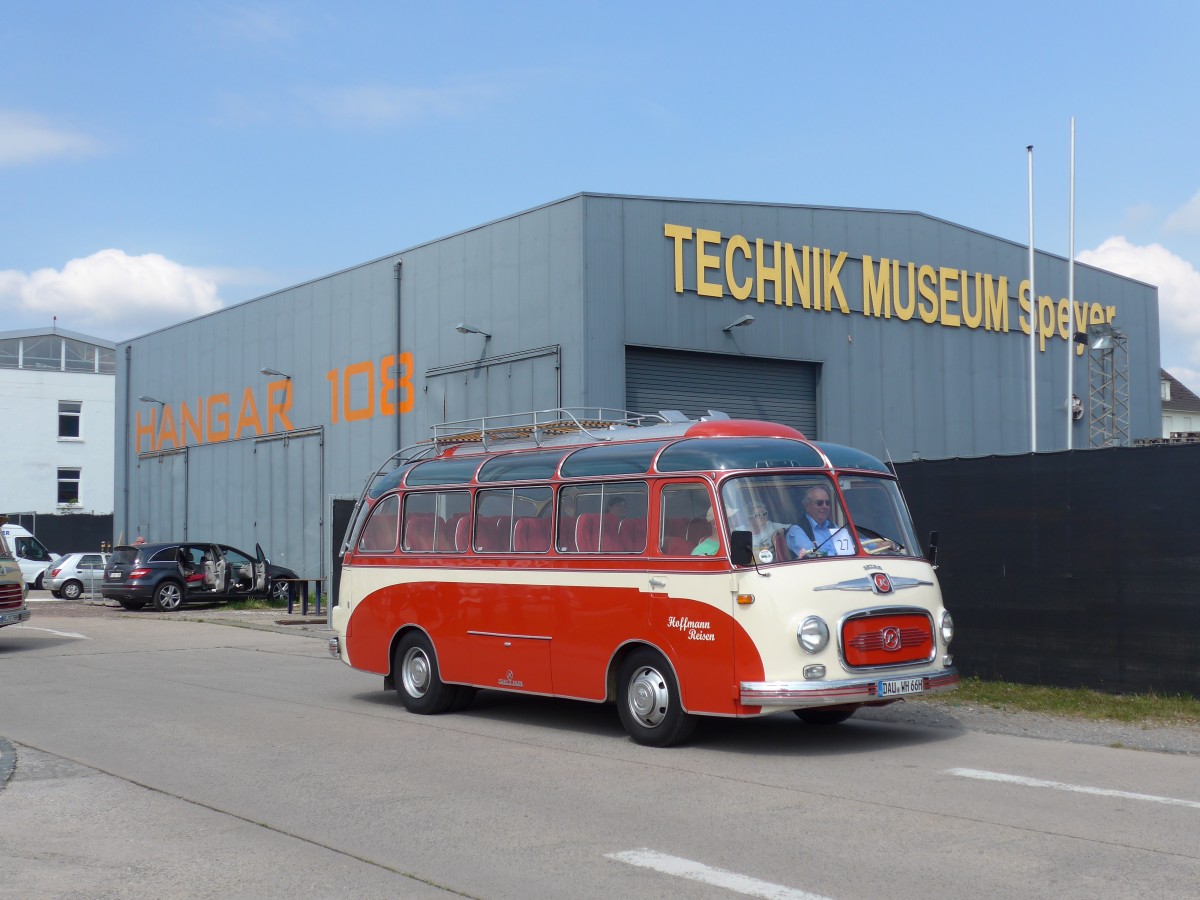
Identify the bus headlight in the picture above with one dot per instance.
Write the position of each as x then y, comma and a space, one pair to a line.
813, 634
947, 628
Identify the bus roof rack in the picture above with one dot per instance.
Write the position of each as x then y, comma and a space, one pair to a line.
540, 425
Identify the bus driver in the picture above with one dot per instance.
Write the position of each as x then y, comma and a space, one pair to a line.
816, 534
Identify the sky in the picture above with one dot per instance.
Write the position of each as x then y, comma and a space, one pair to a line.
160, 160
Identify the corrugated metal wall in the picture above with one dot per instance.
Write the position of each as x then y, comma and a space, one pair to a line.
743, 387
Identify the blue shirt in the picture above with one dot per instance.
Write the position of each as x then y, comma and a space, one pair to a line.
832, 540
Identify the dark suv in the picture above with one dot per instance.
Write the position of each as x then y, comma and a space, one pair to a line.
168, 575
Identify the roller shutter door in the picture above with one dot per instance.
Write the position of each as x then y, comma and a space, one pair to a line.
744, 387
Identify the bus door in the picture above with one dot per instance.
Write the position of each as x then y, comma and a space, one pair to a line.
692, 609
510, 617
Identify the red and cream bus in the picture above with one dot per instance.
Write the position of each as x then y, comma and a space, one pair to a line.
681, 568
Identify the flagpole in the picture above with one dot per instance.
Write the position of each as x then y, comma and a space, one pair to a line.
1071, 302
1032, 321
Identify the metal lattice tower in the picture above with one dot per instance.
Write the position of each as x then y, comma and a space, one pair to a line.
1108, 390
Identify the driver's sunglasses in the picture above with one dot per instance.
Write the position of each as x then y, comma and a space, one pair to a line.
820, 502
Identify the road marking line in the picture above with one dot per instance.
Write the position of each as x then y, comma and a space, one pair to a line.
686, 868
1076, 788
82, 637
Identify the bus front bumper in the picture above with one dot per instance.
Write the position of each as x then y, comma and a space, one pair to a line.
876, 689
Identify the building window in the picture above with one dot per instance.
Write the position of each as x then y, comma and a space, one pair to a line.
68, 486
1165, 389
68, 418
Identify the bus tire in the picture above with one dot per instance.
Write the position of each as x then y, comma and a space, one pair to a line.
824, 716
648, 701
418, 683
463, 698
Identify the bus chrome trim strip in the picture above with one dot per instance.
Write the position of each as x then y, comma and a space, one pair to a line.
899, 583
799, 694
520, 637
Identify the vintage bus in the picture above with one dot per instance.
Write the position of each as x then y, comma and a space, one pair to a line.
678, 567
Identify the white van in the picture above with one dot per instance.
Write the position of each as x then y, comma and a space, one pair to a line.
31, 554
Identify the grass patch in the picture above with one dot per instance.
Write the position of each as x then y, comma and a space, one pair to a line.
256, 603
1152, 709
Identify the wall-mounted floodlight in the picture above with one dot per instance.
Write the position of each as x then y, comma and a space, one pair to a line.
1102, 337
148, 399
265, 371
464, 328
744, 320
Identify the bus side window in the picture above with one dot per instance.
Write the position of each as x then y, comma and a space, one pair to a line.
684, 519
379, 534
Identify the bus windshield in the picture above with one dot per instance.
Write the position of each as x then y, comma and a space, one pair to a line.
806, 516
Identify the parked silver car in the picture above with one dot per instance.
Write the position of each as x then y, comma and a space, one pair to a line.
76, 574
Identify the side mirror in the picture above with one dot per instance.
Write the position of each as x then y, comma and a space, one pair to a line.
740, 547
933, 544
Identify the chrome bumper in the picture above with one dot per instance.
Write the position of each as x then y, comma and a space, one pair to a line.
13, 616
800, 694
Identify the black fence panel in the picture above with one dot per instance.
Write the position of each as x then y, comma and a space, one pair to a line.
1072, 569
70, 532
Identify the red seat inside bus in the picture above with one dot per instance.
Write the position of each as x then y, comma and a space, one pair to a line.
492, 534
462, 534
698, 530
532, 535
632, 535
418, 532
676, 526
566, 533
599, 533
677, 546
446, 533
380, 533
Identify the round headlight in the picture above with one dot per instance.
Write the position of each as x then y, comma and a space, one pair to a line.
947, 628
813, 634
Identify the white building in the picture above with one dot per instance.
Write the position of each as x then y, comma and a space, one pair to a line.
57, 395
1180, 408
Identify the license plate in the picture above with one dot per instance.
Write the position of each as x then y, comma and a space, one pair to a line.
898, 687
114, 576
9, 618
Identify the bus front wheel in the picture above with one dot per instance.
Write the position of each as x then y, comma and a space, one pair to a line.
418, 683
648, 701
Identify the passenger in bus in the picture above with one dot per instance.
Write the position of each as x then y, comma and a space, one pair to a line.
762, 529
616, 507
817, 534
710, 545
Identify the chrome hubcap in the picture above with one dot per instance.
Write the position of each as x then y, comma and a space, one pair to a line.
648, 696
415, 672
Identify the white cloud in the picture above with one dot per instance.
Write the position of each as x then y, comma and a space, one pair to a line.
382, 104
1178, 285
26, 138
1184, 219
110, 294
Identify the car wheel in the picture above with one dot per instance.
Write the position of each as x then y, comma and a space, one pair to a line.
648, 701
280, 591
57, 595
418, 683
823, 716
168, 596
132, 604
72, 589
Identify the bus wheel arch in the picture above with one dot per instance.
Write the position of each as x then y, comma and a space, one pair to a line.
416, 676
648, 699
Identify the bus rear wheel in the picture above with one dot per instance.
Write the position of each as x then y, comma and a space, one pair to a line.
418, 683
648, 701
